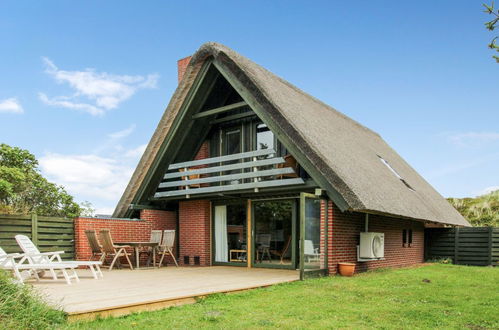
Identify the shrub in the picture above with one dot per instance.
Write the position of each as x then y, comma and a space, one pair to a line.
22, 308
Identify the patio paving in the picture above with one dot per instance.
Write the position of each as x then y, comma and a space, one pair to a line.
121, 292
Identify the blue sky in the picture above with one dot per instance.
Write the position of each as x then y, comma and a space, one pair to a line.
83, 85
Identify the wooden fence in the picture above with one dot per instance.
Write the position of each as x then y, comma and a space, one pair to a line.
48, 233
477, 246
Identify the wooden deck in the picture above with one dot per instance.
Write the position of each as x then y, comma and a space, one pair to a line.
121, 292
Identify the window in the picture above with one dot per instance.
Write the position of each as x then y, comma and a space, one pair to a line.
394, 172
264, 137
406, 237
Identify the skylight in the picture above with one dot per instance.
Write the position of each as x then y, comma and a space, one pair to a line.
394, 172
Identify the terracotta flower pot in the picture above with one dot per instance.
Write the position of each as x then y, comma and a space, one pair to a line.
346, 268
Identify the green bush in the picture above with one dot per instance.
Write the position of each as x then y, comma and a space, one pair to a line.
479, 211
22, 308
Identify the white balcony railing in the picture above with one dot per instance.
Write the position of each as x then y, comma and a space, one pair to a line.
244, 171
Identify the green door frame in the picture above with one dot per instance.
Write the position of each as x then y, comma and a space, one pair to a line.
213, 245
311, 272
251, 256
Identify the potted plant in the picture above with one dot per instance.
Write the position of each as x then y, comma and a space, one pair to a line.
346, 268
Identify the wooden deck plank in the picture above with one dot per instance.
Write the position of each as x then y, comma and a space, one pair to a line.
126, 291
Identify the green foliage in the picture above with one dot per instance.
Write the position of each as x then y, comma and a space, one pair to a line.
24, 190
87, 209
491, 25
480, 211
430, 297
22, 308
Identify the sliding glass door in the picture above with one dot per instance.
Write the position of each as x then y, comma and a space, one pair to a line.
274, 232
230, 233
313, 237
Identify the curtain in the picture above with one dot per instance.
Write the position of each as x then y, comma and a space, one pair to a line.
221, 252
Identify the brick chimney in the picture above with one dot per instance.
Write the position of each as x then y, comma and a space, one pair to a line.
182, 66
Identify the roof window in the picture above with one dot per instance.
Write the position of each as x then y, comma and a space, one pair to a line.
394, 172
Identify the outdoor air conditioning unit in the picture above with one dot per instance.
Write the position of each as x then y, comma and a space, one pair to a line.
372, 245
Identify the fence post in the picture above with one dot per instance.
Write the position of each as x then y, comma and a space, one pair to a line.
491, 236
34, 228
456, 244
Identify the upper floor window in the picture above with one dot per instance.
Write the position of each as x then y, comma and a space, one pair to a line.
232, 141
264, 137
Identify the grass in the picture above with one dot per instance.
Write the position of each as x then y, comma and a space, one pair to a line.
479, 211
21, 308
433, 296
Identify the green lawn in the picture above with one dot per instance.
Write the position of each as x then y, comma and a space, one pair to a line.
443, 296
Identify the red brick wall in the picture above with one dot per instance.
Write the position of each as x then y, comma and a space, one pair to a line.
204, 151
195, 224
195, 231
160, 220
121, 229
344, 229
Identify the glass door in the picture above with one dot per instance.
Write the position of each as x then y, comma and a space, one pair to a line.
229, 234
274, 233
313, 237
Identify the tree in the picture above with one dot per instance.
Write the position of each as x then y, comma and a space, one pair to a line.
24, 190
491, 25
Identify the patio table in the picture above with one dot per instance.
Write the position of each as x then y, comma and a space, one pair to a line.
136, 247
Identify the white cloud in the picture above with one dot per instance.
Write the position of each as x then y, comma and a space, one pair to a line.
473, 138
99, 176
123, 133
488, 190
137, 152
11, 105
100, 91
89, 176
64, 102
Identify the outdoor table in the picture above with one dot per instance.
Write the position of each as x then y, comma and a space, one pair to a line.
136, 246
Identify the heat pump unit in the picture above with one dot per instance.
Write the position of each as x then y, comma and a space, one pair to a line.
372, 245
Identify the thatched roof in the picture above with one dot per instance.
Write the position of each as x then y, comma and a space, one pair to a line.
346, 153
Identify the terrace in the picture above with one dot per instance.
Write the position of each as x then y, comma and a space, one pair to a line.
121, 292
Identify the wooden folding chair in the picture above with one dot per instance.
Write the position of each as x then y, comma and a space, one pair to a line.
166, 246
111, 250
151, 251
94, 245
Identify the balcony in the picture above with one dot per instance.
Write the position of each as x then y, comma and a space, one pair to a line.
247, 171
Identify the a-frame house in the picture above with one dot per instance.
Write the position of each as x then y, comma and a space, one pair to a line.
261, 174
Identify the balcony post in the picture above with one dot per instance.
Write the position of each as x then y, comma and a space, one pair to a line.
255, 169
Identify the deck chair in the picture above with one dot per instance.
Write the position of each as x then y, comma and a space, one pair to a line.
289, 161
94, 245
263, 247
166, 246
23, 271
282, 253
311, 253
36, 257
151, 251
190, 177
111, 250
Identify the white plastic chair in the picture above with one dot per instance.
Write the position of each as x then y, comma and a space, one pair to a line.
36, 257
23, 271
310, 252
